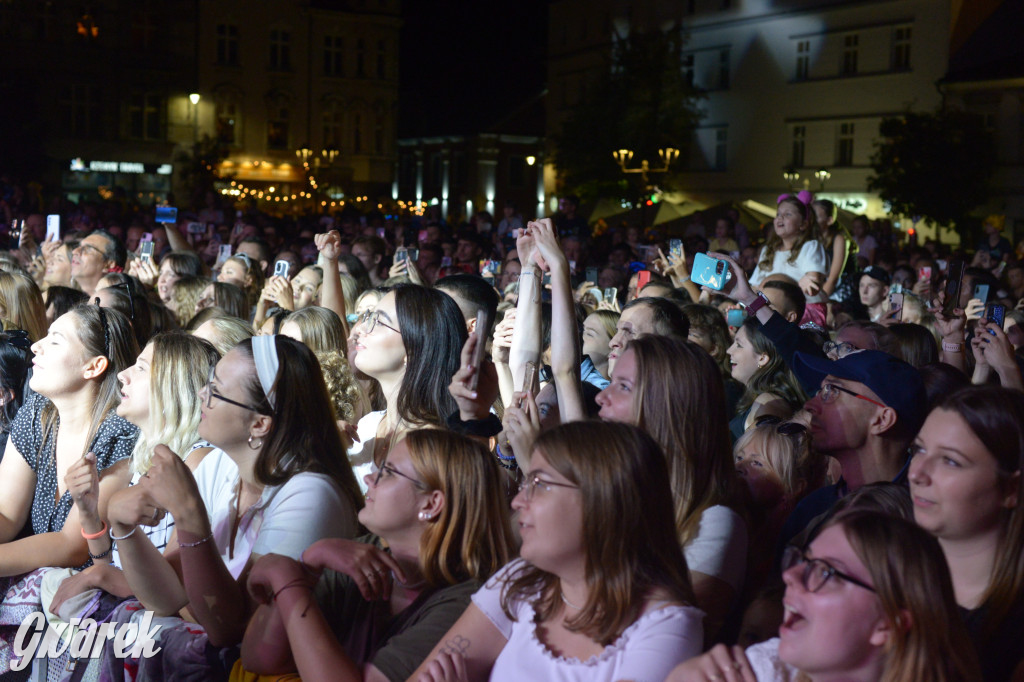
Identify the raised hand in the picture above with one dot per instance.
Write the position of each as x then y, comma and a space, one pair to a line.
328, 244
368, 566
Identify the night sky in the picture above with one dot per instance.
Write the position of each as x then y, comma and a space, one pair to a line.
466, 62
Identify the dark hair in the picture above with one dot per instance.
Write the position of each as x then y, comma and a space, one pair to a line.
357, 271
115, 250
278, 315
668, 319
15, 360
135, 307
64, 299
475, 291
774, 377
261, 245
433, 333
941, 380
184, 263
710, 322
231, 299
916, 345
304, 436
792, 293
377, 246
619, 469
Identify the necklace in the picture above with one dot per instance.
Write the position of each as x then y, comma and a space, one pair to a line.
569, 603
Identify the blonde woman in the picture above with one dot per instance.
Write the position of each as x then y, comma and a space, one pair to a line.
21, 303
224, 332
319, 328
185, 293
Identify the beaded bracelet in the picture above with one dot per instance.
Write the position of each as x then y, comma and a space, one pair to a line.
196, 543
123, 537
101, 554
504, 458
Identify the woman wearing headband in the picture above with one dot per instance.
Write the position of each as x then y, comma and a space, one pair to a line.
276, 482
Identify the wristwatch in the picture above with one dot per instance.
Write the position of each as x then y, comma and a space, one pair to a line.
758, 303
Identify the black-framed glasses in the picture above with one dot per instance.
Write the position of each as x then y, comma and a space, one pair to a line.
816, 571
528, 488
82, 246
211, 394
388, 470
838, 349
373, 319
829, 392
785, 428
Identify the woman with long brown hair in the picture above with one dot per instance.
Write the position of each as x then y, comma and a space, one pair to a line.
673, 390
601, 590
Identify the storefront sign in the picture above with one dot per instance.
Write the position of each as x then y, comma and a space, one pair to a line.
120, 167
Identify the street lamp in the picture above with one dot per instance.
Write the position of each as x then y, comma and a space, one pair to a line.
194, 98
823, 175
791, 176
667, 155
304, 152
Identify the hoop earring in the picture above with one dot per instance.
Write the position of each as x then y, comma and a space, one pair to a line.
256, 446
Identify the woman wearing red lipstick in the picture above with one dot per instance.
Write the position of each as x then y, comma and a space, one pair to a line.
869, 600
965, 481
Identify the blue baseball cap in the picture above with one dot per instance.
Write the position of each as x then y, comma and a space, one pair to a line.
896, 383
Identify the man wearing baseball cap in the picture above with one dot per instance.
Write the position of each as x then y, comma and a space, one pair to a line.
873, 288
868, 409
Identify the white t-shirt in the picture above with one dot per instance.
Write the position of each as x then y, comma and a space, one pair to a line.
720, 548
367, 432
812, 258
764, 661
286, 520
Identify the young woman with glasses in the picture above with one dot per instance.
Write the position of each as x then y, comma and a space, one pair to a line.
966, 484
673, 390
869, 599
438, 528
601, 590
411, 345
275, 483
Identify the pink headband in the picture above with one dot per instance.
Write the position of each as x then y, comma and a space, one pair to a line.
803, 196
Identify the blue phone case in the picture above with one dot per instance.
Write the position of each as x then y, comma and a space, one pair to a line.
710, 272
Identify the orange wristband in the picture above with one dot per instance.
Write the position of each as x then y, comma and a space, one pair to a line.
93, 536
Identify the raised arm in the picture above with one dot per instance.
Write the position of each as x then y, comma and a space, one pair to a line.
565, 350
526, 336
332, 296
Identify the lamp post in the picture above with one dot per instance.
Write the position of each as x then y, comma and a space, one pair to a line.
823, 175
791, 176
668, 155
194, 98
311, 160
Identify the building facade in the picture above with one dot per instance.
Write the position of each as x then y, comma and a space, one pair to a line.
794, 90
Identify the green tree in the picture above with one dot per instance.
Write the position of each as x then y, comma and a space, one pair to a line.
936, 166
644, 102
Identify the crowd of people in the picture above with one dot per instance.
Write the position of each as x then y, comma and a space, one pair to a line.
344, 447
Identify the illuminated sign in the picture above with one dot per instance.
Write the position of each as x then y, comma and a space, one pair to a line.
120, 167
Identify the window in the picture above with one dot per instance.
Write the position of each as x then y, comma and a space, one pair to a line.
144, 117
381, 59
360, 58
227, 122
334, 56
844, 151
227, 44
849, 65
277, 129
333, 120
688, 69
799, 140
280, 50
803, 60
516, 172
721, 148
80, 111
357, 134
901, 49
723, 69
143, 30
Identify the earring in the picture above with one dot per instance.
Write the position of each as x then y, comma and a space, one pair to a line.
255, 446
424, 516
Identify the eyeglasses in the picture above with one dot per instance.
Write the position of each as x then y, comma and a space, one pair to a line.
836, 349
829, 392
373, 319
387, 469
82, 246
785, 428
816, 571
528, 488
211, 394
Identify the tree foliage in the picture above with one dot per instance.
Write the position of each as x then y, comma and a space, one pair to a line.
643, 102
936, 166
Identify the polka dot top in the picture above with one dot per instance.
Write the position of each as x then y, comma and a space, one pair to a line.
114, 441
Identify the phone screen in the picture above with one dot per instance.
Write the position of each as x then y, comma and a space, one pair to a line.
956, 275
482, 323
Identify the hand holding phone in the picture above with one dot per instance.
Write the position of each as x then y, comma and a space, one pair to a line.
710, 272
281, 268
953, 281
480, 331
146, 254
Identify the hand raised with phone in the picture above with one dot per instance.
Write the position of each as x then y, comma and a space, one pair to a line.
474, 401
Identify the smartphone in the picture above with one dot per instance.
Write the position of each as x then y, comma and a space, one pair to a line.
896, 305
572, 266
146, 237
401, 254
196, 228
53, 228
592, 275
166, 214
611, 293
995, 313
16, 230
675, 249
223, 254
643, 278
953, 281
281, 268
529, 377
710, 272
382, 233
924, 273
147, 251
981, 292
482, 323
735, 317
413, 254
446, 261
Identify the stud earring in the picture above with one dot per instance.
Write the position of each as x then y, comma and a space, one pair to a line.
424, 516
